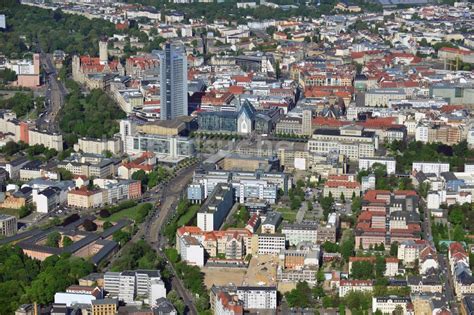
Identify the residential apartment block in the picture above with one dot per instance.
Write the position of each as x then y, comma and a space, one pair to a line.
388, 217
236, 299
461, 272
346, 286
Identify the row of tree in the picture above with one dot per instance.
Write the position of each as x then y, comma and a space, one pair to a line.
407, 153
24, 280
31, 29
95, 115
22, 103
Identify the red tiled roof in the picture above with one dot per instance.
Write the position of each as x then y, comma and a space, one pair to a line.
347, 184
83, 191
330, 122
236, 90
456, 51
369, 259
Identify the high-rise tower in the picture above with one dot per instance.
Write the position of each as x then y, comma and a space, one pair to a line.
103, 55
173, 81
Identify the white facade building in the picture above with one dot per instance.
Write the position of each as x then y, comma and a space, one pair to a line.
128, 285
191, 250
70, 298
430, 167
367, 162
271, 244
304, 232
388, 304
258, 297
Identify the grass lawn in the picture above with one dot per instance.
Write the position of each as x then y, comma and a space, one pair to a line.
14, 212
287, 214
130, 213
189, 215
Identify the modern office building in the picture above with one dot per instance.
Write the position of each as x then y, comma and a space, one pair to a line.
174, 81
216, 208
270, 244
129, 285
247, 185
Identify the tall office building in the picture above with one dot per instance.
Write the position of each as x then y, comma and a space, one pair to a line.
174, 81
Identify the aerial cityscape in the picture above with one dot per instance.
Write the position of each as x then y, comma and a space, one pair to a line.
230, 157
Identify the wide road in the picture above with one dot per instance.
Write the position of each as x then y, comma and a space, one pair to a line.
55, 96
445, 274
170, 195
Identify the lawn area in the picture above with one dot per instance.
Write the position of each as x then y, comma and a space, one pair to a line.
14, 212
188, 216
288, 214
130, 213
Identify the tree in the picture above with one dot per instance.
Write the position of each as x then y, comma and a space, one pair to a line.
64, 174
356, 205
104, 213
7, 76
107, 225
53, 239
362, 270
177, 302
25, 210
347, 248
398, 310
67, 241
300, 296
343, 199
394, 249
380, 267
89, 225
456, 216
107, 153
271, 30
172, 254
121, 237
458, 234
424, 188
358, 301
327, 204
94, 115
330, 247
